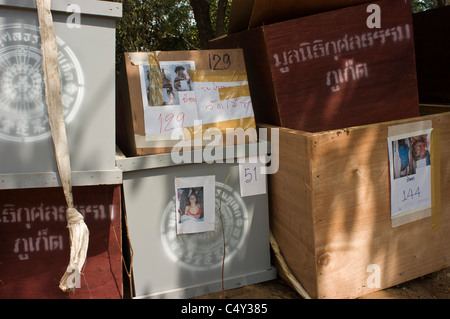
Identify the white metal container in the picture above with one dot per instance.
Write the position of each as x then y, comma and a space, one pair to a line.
167, 265
85, 31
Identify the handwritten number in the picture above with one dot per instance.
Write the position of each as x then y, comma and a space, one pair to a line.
180, 118
160, 119
410, 194
226, 61
169, 118
167, 121
217, 62
249, 175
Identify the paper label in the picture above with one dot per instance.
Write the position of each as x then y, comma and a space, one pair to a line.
212, 107
410, 171
184, 95
251, 180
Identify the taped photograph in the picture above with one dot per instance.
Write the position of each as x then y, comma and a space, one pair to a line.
410, 173
195, 204
409, 154
167, 85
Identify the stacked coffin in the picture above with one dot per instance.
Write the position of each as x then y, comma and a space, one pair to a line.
187, 132
186, 128
358, 203
35, 250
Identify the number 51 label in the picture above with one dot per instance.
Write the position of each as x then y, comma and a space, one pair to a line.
251, 180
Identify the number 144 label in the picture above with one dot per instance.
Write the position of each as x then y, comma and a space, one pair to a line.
252, 181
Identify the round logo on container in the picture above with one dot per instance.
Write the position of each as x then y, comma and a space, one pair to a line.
23, 111
201, 251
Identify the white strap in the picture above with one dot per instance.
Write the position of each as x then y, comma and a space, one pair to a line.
79, 233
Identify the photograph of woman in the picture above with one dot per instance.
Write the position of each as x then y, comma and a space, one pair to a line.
195, 204
191, 202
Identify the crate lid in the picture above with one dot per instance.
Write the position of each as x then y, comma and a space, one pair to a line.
91, 7
247, 14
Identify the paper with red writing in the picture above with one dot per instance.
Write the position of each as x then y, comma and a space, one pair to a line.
212, 106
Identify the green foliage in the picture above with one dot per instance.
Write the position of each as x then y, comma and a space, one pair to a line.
149, 25
422, 5
418, 6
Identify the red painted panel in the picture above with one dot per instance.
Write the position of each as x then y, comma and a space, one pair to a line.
35, 248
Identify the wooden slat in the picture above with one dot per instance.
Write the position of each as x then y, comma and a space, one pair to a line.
291, 205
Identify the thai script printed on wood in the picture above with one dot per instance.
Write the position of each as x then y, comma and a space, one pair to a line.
45, 239
318, 49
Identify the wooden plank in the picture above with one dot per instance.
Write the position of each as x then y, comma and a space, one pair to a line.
290, 207
34, 251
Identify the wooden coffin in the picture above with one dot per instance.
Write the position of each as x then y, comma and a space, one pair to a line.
35, 248
332, 70
146, 120
330, 210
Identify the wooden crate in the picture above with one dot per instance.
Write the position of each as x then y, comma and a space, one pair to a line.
330, 210
35, 248
330, 70
223, 65
432, 44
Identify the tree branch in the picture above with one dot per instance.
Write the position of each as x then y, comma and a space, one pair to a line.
220, 21
202, 17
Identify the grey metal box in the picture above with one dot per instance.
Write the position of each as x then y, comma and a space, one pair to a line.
167, 265
85, 31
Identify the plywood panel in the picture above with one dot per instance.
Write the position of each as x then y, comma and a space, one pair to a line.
329, 70
35, 243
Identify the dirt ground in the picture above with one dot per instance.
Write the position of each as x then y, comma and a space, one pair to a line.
432, 286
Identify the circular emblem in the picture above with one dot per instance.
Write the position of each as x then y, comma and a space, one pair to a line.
205, 250
23, 112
